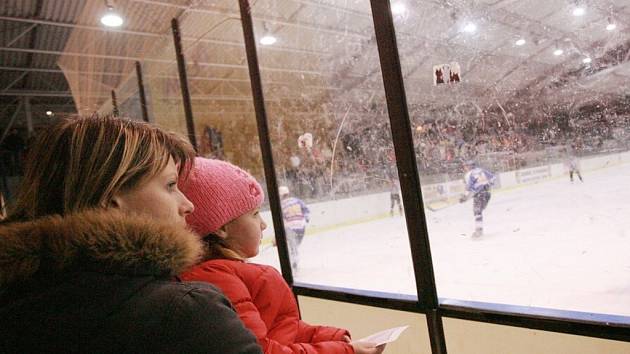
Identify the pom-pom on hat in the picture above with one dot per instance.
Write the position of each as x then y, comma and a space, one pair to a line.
221, 192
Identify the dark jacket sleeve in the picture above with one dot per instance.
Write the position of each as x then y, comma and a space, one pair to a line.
203, 321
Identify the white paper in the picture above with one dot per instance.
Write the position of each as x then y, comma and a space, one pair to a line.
382, 337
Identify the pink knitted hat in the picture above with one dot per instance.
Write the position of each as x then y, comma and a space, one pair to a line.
221, 192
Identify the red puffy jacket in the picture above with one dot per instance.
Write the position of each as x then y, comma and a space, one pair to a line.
266, 305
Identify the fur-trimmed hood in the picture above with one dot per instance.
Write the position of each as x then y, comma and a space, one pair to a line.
95, 240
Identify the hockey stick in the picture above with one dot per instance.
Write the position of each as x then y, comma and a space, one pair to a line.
441, 207
436, 209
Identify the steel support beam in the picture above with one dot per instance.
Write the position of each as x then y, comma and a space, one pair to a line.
265, 143
272, 20
141, 94
29, 115
163, 61
35, 93
6, 88
402, 137
153, 35
201, 78
11, 121
69, 94
21, 34
183, 82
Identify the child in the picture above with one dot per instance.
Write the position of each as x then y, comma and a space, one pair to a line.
227, 215
296, 215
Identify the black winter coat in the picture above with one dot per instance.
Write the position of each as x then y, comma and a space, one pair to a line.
99, 282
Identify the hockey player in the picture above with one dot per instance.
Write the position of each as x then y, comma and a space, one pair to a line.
478, 184
296, 215
574, 164
394, 196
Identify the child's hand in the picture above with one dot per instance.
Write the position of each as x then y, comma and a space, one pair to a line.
347, 339
366, 348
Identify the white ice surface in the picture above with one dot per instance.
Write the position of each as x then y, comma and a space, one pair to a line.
553, 245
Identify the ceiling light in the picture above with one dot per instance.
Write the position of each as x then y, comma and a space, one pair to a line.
587, 60
49, 113
611, 26
558, 52
579, 11
111, 18
268, 40
520, 42
470, 27
399, 8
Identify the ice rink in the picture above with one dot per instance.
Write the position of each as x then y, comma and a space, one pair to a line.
554, 244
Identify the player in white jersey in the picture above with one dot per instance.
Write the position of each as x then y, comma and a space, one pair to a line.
574, 167
295, 214
394, 196
478, 183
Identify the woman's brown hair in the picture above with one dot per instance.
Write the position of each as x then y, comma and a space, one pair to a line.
81, 163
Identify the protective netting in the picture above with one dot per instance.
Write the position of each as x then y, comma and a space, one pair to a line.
225, 122
97, 60
479, 80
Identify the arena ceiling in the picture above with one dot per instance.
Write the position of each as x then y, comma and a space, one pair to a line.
56, 56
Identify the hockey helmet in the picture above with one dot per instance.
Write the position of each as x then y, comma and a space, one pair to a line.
283, 190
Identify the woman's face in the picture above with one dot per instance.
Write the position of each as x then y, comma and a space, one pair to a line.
244, 233
158, 198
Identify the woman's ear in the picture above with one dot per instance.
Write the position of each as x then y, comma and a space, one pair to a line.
115, 202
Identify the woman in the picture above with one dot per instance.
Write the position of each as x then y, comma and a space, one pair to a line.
97, 233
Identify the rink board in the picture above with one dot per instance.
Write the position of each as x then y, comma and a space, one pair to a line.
550, 244
343, 212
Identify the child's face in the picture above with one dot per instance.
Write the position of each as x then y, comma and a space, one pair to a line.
245, 232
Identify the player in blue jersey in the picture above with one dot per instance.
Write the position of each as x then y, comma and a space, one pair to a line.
295, 215
478, 182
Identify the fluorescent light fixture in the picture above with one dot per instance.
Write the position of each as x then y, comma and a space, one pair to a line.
587, 60
268, 40
579, 11
520, 42
112, 19
611, 27
470, 27
399, 8
558, 52
49, 113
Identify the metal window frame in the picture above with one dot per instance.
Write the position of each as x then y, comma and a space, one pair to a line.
141, 93
427, 302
